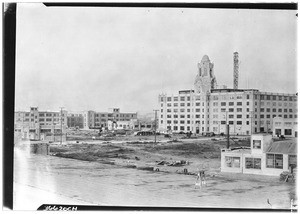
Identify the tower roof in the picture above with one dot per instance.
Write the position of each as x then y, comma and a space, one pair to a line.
205, 58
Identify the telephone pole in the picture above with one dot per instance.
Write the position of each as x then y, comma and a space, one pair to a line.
61, 131
155, 125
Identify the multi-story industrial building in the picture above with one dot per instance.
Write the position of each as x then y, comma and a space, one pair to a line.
208, 108
92, 119
75, 120
40, 125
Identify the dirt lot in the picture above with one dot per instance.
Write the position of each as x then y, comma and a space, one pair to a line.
138, 172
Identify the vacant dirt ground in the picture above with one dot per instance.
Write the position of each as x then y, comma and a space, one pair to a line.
123, 173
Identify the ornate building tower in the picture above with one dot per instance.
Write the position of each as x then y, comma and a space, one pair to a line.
205, 79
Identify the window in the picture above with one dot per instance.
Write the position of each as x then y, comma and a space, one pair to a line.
268, 116
175, 98
181, 116
239, 116
256, 144
223, 122
231, 103
262, 110
175, 116
168, 116
231, 109
175, 104
274, 97
231, 122
275, 161
233, 162
253, 163
223, 109
169, 104
239, 109
239, 103
239, 122
287, 131
231, 116
262, 116
169, 99
197, 109
175, 121
181, 104
223, 103
182, 99
248, 96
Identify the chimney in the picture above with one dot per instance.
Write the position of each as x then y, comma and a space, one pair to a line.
235, 70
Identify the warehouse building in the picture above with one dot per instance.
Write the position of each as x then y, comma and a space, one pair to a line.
207, 108
40, 125
93, 119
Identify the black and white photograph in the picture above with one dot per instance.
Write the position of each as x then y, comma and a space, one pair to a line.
155, 106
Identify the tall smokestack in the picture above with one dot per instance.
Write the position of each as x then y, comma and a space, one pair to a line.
235, 70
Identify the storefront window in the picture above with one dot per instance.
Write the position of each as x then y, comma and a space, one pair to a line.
232, 162
253, 163
275, 161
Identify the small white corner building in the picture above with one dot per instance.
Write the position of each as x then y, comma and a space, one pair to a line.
263, 157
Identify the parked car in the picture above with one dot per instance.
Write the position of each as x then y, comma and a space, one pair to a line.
209, 134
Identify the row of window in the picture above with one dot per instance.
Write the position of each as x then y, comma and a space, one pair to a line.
274, 110
214, 122
117, 115
275, 104
272, 161
274, 115
276, 97
230, 97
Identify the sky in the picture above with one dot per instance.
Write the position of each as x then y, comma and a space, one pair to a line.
101, 58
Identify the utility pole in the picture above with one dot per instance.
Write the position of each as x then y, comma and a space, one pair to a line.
61, 131
155, 126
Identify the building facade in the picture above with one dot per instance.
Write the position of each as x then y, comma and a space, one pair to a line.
263, 157
40, 125
288, 127
93, 119
208, 108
